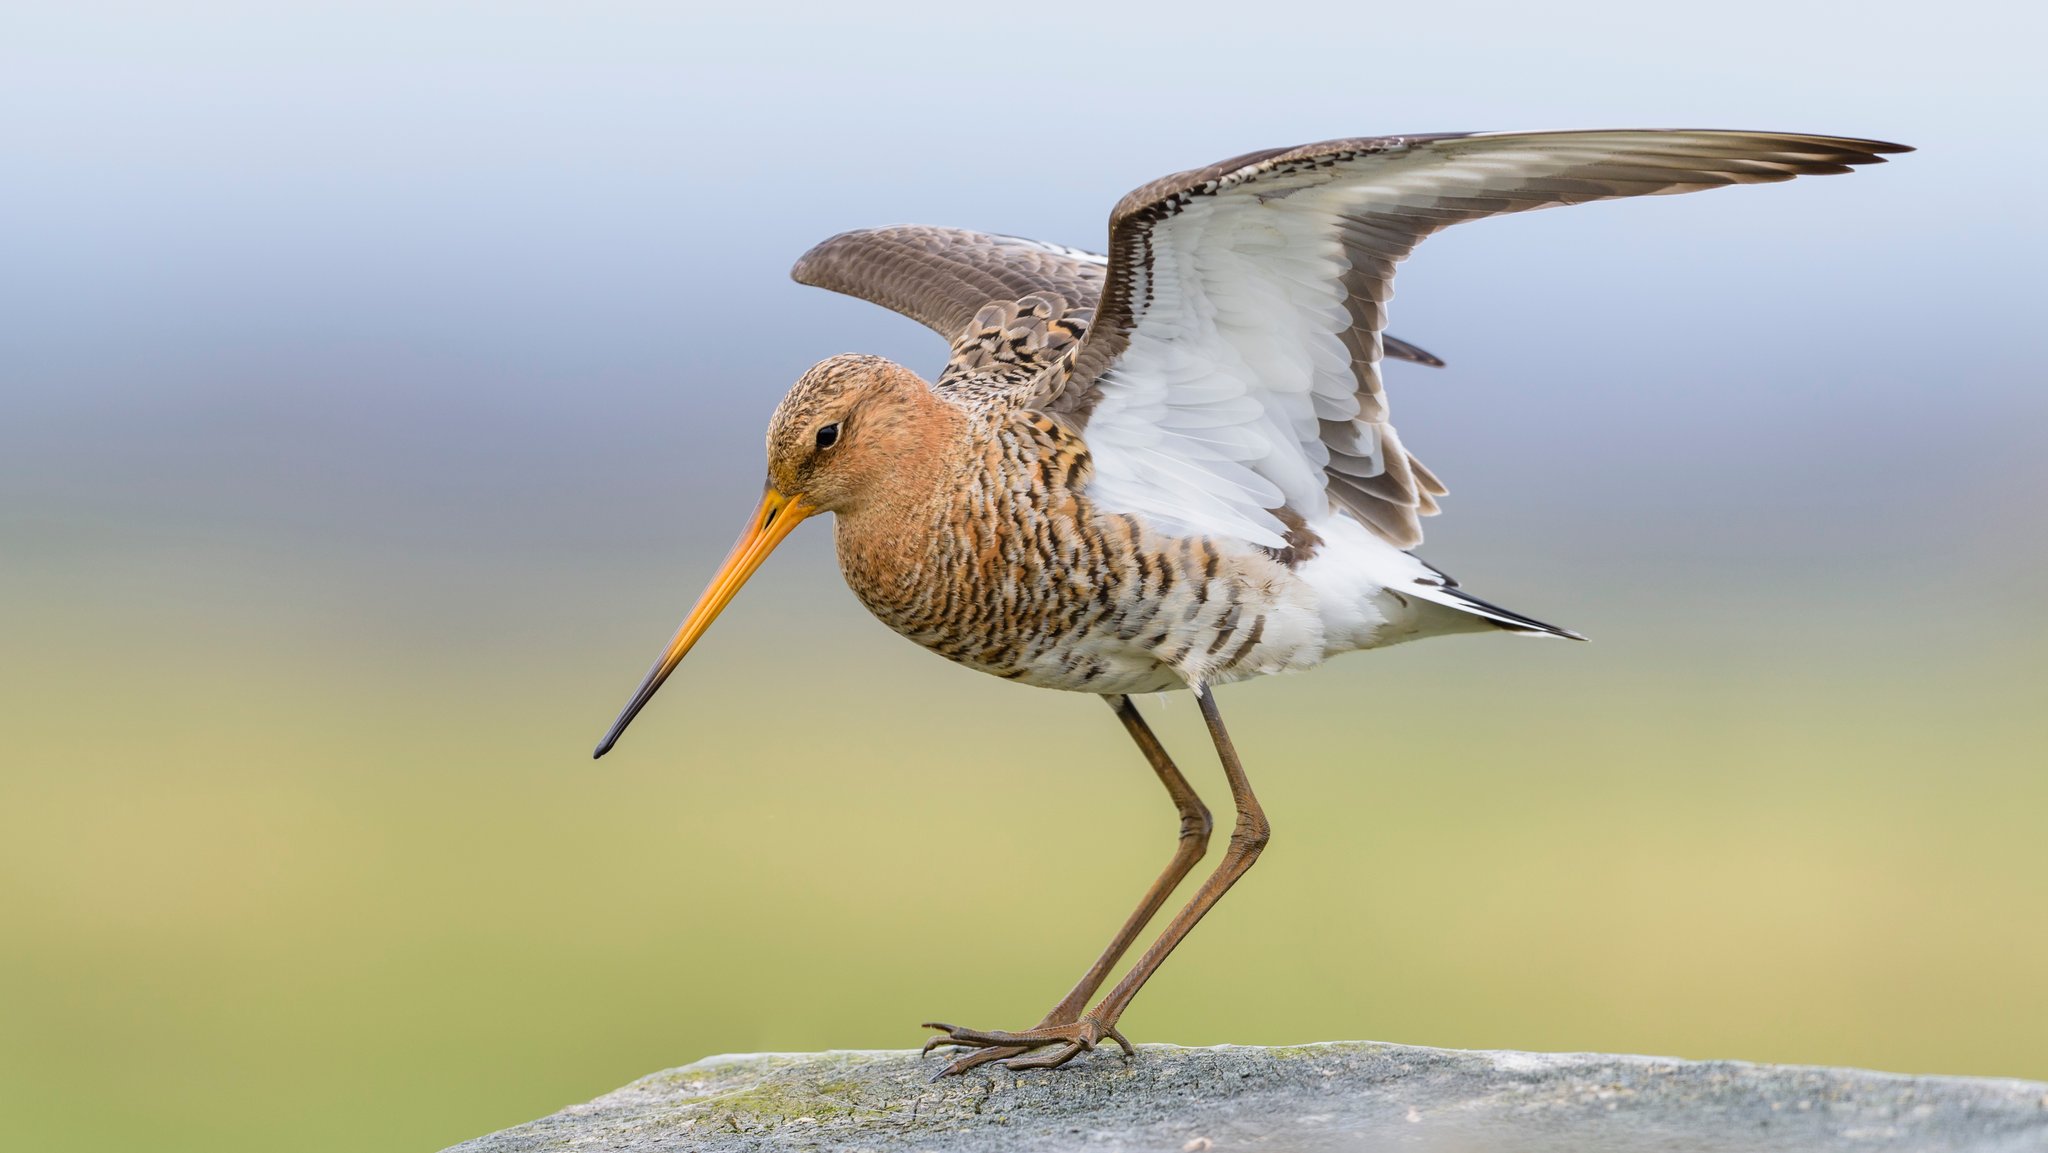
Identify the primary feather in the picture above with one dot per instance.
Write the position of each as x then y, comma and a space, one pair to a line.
1238, 334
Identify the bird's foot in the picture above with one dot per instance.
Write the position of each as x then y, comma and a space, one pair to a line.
1059, 1044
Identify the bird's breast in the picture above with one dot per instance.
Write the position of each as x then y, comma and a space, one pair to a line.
1012, 572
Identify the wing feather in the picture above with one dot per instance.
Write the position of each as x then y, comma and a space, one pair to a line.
943, 277
1251, 295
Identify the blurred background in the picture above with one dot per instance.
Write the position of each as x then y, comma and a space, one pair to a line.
380, 383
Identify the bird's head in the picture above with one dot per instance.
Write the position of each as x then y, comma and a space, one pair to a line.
844, 432
848, 429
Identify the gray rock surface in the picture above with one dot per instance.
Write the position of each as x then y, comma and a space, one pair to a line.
1351, 1095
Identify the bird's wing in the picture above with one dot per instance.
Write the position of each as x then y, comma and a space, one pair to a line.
1230, 383
944, 278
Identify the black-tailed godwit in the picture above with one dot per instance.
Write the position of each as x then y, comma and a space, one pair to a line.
1170, 467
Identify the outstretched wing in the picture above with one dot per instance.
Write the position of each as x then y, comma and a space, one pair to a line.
944, 277
1230, 383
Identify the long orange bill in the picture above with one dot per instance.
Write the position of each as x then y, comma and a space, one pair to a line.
775, 518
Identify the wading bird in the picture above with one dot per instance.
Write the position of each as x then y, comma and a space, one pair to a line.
1169, 467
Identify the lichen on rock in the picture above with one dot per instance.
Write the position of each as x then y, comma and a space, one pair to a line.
1352, 1095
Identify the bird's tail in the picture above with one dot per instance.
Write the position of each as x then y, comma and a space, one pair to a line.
1451, 596
1442, 588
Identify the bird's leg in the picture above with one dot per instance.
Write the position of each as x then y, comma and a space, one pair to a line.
1065, 1041
1194, 841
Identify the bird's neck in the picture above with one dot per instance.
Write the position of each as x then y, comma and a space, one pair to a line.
928, 448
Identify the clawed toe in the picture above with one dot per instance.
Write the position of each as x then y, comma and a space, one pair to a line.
1062, 1043
943, 1037
979, 1057
1051, 1060
955, 1035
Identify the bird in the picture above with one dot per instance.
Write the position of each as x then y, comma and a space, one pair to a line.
1169, 465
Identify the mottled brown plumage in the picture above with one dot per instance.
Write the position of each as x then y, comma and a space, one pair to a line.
1170, 466
962, 523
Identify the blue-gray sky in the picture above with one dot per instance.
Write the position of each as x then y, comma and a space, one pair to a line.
403, 279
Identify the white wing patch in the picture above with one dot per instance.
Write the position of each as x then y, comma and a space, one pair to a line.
1210, 418
1245, 372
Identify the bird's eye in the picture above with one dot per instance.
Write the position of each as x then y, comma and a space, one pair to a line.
828, 435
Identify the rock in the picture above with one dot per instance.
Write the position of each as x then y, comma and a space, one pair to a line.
1348, 1095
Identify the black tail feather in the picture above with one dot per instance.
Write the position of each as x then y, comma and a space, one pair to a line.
1508, 619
